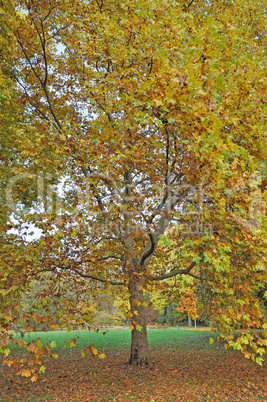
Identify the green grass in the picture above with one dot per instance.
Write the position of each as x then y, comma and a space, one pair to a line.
122, 338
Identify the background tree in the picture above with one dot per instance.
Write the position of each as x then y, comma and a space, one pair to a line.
188, 305
152, 112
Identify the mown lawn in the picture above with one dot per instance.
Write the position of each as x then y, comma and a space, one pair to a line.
107, 338
185, 367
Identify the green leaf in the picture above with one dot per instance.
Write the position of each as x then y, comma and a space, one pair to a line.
42, 369
163, 241
259, 360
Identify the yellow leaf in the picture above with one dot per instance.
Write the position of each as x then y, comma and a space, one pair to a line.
101, 356
131, 326
94, 350
6, 351
26, 373
158, 102
4, 292
261, 351
34, 378
211, 341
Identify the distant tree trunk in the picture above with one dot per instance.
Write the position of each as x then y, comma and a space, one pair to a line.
189, 321
139, 347
195, 323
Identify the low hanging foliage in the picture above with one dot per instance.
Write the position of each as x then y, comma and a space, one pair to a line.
135, 117
188, 304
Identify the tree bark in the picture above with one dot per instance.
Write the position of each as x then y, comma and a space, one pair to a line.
189, 321
139, 347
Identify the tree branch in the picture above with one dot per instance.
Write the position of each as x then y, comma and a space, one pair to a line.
100, 259
37, 109
100, 204
95, 278
171, 274
162, 225
149, 251
159, 208
42, 83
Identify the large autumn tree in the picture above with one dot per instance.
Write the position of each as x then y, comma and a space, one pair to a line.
153, 114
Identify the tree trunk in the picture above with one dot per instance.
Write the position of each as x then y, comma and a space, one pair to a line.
189, 321
139, 347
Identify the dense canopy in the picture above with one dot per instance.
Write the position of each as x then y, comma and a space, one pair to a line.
140, 155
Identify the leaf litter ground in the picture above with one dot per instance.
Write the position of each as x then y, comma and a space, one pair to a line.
185, 367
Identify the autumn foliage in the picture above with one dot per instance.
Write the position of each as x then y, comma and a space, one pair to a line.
188, 304
134, 117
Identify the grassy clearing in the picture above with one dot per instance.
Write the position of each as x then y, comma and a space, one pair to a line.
185, 367
117, 338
